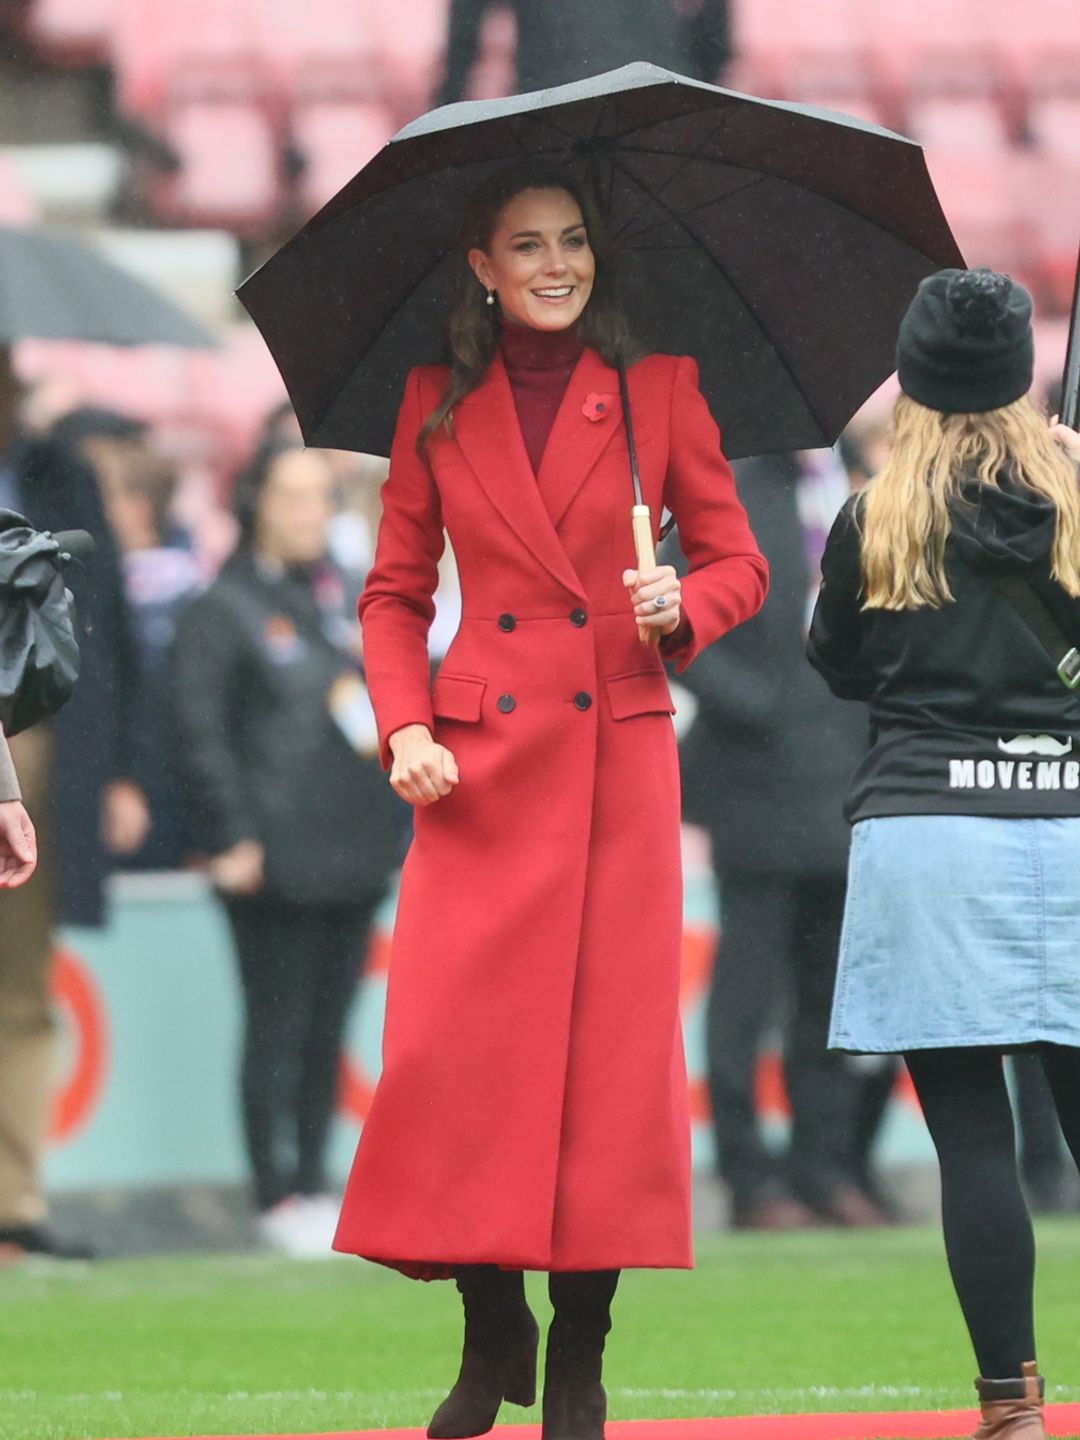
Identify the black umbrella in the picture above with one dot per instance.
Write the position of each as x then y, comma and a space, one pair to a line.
54, 288
776, 243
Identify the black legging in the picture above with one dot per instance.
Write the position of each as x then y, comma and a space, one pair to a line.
299, 966
988, 1236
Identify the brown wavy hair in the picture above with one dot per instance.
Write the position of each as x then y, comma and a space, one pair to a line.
904, 511
474, 324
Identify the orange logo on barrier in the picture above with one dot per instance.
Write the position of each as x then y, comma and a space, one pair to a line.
76, 993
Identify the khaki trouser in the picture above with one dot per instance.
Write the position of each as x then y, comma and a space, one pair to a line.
27, 1030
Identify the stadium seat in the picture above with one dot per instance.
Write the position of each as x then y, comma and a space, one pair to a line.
983, 198
797, 50
932, 46
335, 138
71, 32
301, 43
1039, 48
1054, 125
410, 56
1053, 201
972, 125
230, 170
157, 44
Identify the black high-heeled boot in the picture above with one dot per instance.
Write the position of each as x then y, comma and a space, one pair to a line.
575, 1402
499, 1359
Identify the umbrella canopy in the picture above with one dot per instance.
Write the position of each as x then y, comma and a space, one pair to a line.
776, 243
54, 288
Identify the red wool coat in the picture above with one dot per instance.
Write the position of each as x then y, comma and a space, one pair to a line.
532, 1110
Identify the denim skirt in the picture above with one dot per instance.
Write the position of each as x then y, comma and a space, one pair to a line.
959, 930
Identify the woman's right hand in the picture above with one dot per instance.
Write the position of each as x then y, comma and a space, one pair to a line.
239, 870
422, 772
1069, 440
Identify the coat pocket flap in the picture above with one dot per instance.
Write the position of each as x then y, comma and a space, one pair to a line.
644, 692
457, 697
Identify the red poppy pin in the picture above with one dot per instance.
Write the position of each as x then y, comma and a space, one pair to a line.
596, 407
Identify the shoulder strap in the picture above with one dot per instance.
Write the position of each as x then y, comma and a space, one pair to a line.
1036, 616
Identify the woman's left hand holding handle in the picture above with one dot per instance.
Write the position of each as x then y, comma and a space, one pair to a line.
423, 771
645, 586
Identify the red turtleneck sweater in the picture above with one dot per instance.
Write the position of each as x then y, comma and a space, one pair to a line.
539, 364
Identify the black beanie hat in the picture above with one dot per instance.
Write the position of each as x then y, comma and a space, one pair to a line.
965, 343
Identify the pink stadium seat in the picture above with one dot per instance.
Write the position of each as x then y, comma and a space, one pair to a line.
1054, 125
1053, 200
1038, 43
229, 173
933, 46
335, 138
801, 49
157, 43
970, 124
983, 196
298, 40
71, 32
410, 56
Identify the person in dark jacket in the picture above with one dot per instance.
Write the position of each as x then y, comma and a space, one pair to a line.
766, 763
563, 40
78, 780
279, 759
950, 601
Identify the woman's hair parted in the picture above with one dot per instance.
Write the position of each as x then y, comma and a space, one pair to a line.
474, 325
904, 512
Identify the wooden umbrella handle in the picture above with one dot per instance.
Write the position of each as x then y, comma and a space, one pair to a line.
641, 520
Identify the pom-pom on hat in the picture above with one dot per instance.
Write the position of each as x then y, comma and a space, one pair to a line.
965, 344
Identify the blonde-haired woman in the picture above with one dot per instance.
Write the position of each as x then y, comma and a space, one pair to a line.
951, 593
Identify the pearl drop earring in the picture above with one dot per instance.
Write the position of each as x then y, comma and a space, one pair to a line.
491, 297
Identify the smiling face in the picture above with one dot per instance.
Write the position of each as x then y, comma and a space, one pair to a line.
539, 261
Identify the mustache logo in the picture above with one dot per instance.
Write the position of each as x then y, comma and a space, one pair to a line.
1035, 745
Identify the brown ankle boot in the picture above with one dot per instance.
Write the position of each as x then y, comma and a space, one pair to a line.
499, 1359
1012, 1409
575, 1403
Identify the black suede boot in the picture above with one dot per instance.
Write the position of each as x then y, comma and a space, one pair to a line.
499, 1359
575, 1405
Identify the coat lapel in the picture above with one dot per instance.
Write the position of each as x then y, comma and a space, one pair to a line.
588, 418
487, 430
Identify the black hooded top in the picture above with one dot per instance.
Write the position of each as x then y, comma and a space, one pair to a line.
967, 710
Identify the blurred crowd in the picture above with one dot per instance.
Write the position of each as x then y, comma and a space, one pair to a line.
222, 723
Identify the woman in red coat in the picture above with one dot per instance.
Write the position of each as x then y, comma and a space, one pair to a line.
532, 1112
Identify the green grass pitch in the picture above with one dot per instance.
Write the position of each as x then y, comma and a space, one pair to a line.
243, 1344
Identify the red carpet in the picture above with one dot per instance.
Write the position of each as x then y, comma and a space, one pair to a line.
1061, 1420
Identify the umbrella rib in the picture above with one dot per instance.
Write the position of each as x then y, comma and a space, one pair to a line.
747, 307
687, 158
798, 185
379, 334
692, 210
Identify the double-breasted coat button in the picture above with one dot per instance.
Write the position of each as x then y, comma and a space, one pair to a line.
578, 618
505, 703
583, 700
507, 622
